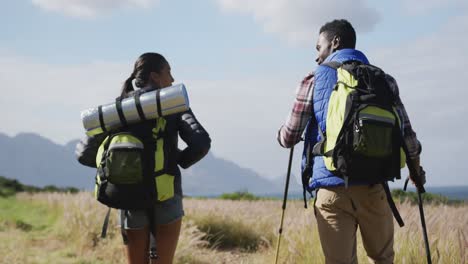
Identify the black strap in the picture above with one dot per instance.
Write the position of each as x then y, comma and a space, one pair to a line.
319, 148
395, 212
152, 226
304, 196
153, 254
141, 114
105, 224
118, 105
315, 202
101, 119
161, 133
158, 102
123, 232
305, 175
329, 153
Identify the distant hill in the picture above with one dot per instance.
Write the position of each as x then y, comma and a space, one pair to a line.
214, 175
35, 160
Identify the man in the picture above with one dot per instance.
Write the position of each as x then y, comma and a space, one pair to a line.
340, 209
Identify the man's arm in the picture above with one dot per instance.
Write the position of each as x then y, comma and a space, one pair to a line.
290, 133
409, 136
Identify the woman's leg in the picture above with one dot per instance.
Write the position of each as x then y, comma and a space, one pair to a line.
167, 237
137, 246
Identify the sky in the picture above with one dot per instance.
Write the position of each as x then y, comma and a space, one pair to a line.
241, 61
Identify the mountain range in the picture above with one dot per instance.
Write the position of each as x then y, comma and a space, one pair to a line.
36, 160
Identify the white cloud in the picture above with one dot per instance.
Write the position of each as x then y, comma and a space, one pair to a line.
416, 7
432, 67
47, 99
431, 74
90, 8
299, 21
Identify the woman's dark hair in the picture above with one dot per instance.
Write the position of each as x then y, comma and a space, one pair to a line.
342, 29
144, 65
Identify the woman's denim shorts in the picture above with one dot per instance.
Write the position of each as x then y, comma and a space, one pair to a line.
164, 212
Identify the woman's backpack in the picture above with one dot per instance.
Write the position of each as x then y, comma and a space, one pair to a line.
125, 165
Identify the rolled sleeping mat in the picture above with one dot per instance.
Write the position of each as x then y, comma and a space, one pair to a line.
131, 110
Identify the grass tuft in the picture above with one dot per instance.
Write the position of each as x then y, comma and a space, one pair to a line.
23, 225
229, 234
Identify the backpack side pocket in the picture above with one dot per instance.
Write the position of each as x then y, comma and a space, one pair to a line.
373, 133
124, 161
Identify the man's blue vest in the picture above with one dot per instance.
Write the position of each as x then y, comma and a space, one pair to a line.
325, 80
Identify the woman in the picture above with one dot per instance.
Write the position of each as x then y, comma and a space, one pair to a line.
151, 72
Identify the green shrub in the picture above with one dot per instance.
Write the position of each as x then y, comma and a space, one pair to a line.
53, 188
9, 187
430, 198
239, 195
5, 192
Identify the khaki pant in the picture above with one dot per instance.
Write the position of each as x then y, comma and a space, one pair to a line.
339, 211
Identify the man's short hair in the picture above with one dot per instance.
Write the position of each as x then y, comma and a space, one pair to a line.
342, 29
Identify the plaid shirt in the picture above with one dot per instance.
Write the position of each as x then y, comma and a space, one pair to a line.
290, 133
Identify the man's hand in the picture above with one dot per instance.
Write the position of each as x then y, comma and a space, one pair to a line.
417, 175
420, 178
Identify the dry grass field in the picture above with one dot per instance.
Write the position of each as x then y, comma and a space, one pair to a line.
65, 228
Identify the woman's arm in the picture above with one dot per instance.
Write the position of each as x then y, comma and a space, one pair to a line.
87, 148
197, 139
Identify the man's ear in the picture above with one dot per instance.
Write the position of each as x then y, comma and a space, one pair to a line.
335, 43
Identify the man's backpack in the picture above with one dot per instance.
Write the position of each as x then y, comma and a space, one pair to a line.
363, 141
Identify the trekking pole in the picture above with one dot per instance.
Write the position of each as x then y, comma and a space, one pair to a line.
423, 224
417, 178
420, 189
284, 204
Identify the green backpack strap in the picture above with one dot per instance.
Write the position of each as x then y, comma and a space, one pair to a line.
318, 149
